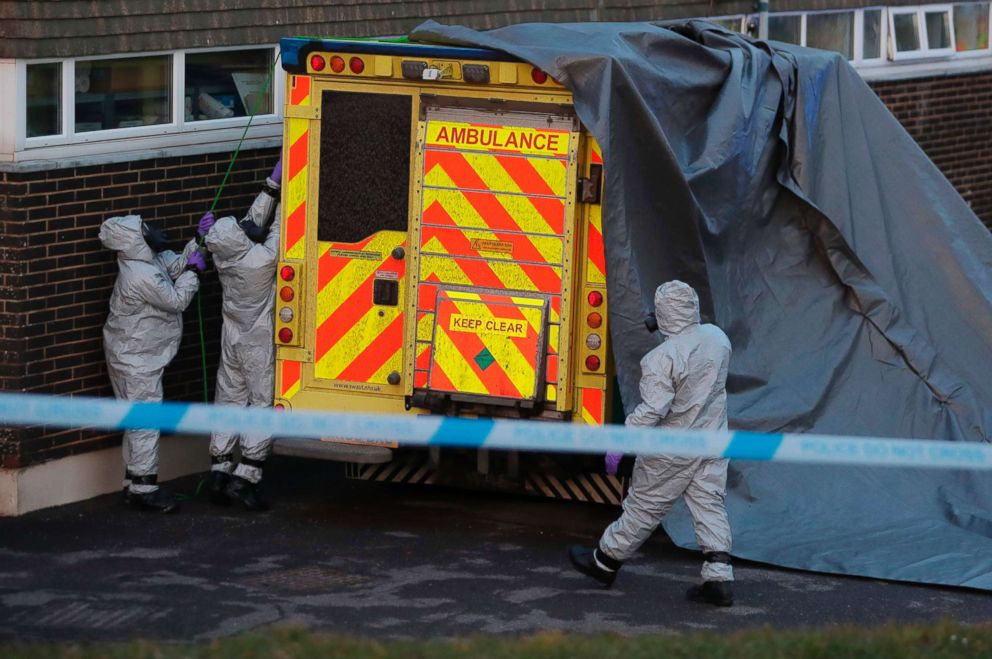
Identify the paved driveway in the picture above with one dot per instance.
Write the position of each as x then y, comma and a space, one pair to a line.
388, 561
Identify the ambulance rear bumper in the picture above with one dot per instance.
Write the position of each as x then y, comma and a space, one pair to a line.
334, 451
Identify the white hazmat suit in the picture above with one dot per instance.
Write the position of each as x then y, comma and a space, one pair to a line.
246, 375
143, 330
683, 385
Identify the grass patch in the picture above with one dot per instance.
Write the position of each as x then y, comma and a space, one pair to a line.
938, 640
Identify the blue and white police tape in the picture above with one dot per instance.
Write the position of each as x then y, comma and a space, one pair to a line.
410, 430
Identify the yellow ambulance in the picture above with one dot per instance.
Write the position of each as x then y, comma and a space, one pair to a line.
441, 253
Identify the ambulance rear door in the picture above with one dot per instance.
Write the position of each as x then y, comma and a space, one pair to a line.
493, 252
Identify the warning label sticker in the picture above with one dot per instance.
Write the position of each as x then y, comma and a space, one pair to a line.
515, 139
487, 325
363, 255
493, 246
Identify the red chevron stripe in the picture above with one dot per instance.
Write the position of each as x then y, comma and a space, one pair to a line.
552, 210
545, 279
299, 89
522, 171
435, 214
290, 374
298, 155
552, 369
344, 317
383, 348
594, 248
329, 265
592, 402
296, 225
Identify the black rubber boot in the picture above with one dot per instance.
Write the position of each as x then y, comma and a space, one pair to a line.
247, 493
594, 563
717, 593
157, 500
217, 484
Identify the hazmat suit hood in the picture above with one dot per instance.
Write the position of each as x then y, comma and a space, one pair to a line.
676, 306
227, 241
123, 234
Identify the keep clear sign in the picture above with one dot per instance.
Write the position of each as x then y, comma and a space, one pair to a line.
513, 139
487, 325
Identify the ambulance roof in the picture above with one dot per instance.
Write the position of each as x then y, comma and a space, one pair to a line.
295, 49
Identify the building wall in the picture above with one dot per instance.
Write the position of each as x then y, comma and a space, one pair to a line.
56, 278
951, 119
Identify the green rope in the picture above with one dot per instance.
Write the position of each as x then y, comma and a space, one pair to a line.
200, 240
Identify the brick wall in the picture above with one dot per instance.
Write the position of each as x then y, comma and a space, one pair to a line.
56, 278
951, 119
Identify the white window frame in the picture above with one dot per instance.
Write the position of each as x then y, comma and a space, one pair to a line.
978, 52
859, 38
856, 35
156, 136
925, 51
275, 90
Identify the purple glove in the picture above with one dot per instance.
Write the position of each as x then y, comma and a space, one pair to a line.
206, 222
276, 174
612, 462
197, 261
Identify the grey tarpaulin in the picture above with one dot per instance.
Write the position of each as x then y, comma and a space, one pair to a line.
853, 281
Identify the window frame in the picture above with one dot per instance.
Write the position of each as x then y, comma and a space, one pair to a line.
925, 51
859, 38
175, 128
978, 52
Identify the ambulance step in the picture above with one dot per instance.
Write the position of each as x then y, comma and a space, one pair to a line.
587, 487
317, 450
592, 487
414, 472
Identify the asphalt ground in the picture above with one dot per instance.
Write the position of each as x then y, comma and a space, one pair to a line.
389, 561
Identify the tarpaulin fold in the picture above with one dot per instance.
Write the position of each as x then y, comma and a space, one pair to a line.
852, 279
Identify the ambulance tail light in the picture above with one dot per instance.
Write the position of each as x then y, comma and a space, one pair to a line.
594, 309
287, 325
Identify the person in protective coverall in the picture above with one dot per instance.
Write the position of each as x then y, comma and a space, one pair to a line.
244, 253
141, 336
683, 385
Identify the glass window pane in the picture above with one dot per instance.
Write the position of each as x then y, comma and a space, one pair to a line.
123, 93
971, 26
938, 29
227, 84
785, 28
834, 31
872, 46
44, 99
907, 27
